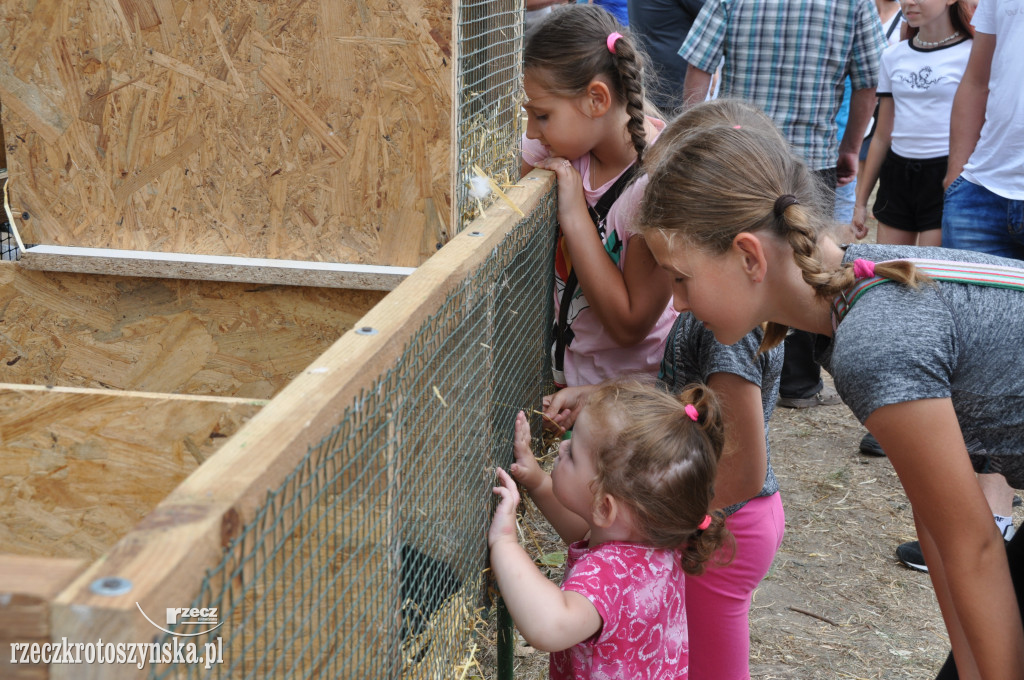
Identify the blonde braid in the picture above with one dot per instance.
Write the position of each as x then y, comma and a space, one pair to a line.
794, 223
802, 237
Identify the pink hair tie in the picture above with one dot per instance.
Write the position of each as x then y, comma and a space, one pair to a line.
863, 269
691, 411
705, 523
612, 37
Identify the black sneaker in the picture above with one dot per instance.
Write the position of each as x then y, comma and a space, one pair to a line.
869, 446
910, 555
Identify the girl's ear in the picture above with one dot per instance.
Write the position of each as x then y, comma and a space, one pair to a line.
598, 98
606, 511
753, 257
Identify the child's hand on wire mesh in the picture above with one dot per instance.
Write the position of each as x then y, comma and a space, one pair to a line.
526, 470
503, 526
565, 405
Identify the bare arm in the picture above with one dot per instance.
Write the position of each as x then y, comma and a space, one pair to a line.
548, 618
626, 302
967, 667
969, 105
744, 462
698, 83
880, 143
923, 441
862, 105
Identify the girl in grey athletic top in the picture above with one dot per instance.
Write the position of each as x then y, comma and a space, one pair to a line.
934, 368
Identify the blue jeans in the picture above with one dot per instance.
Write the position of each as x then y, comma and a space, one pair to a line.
974, 218
846, 198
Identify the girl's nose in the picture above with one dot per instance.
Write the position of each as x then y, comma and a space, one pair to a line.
679, 301
531, 129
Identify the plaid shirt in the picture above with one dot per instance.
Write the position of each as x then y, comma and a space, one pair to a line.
790, 57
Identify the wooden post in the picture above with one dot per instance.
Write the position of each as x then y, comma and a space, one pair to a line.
27, 586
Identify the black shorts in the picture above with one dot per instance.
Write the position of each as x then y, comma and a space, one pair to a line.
909, 195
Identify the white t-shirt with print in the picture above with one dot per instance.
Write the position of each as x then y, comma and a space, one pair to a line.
998, 159
922, 84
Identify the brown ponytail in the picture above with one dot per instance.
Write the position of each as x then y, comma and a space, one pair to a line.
661, 462
705, 544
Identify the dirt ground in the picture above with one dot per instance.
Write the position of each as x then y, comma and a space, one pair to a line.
845, 515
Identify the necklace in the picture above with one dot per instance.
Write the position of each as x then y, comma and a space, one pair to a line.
925, 43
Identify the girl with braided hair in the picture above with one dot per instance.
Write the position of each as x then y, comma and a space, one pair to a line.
585, 105
923, 344
631, 494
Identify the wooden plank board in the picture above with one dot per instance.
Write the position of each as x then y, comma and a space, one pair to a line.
27, 585
159, 396
314, 130
79, 468
166, 554
166, 335
213, 267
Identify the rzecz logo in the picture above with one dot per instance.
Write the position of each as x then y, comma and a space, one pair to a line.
188, 616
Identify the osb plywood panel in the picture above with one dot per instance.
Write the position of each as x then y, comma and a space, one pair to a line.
314, 130
166, 335
78, 470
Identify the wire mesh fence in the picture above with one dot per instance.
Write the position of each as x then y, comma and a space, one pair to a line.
489, 96
369, 560
8, 245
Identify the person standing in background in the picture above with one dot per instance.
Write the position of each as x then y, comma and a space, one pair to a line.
891, 15
984, 200
846, 195
662, 26
917, 83
616, 7
789, 58
537, 10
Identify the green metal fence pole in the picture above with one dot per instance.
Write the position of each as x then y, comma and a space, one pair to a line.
506, 642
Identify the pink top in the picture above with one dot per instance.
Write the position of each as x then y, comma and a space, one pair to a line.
593, 356
638, 592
